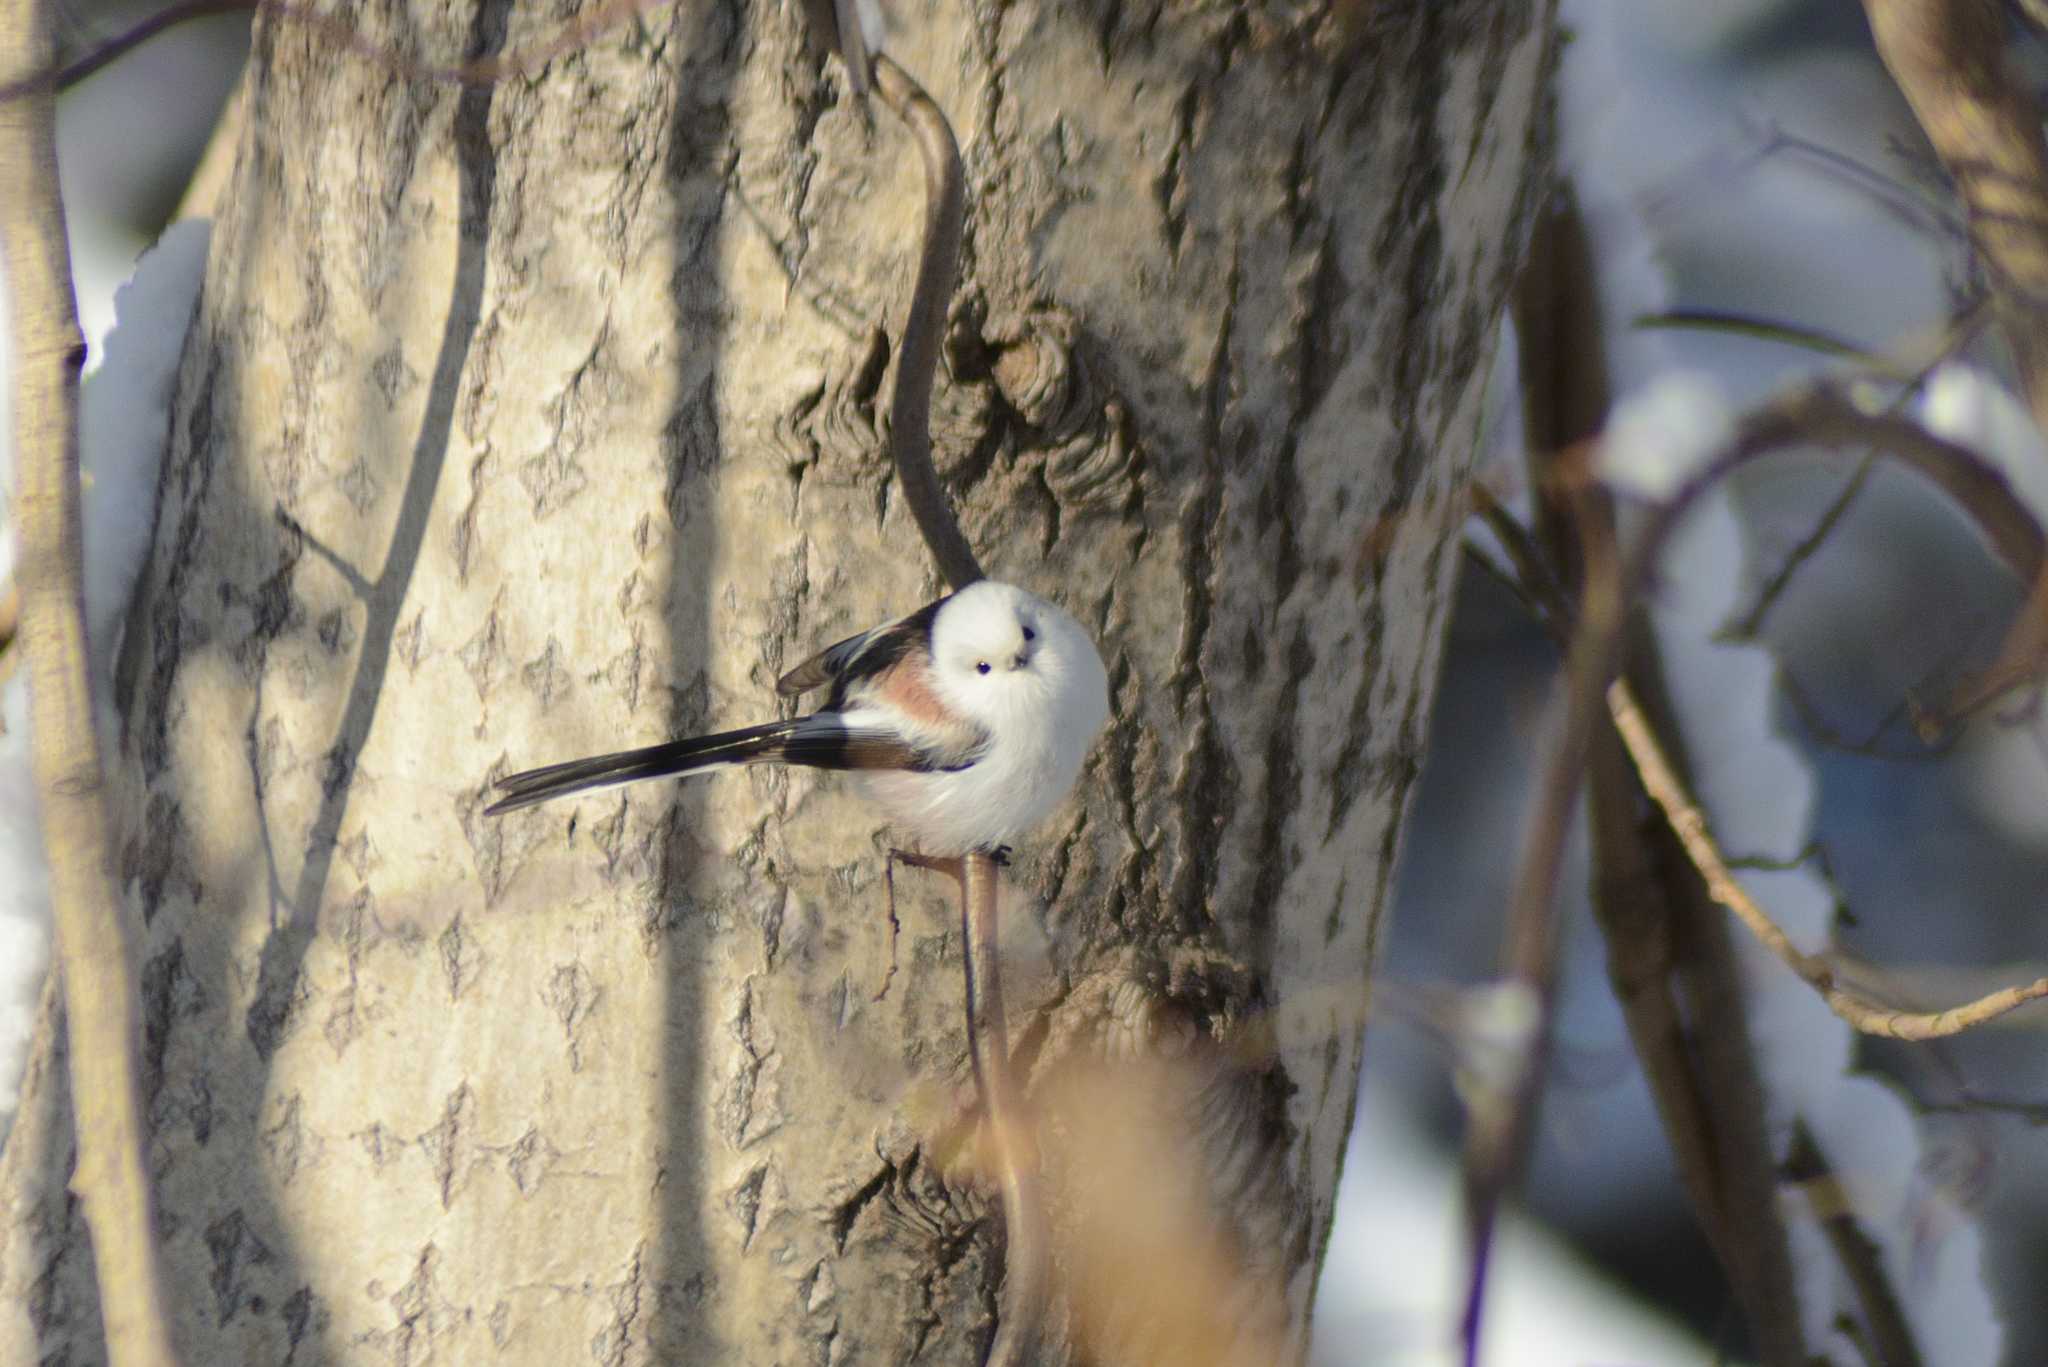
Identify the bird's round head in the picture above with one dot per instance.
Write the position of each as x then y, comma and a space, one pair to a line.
1006, 657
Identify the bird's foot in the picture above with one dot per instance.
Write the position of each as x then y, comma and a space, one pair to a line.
951, 865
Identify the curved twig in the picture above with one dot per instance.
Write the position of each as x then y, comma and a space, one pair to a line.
1822, 415
917, 360
1815, 414
101, 1005
1689, 824
1027, 1260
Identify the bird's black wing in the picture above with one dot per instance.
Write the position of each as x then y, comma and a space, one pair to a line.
822, 741
627, 766
858, 657
831, 740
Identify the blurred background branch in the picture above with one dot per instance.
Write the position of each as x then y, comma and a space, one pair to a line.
101, 1008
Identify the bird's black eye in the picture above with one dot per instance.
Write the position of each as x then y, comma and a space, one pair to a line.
981, 666
1030, 635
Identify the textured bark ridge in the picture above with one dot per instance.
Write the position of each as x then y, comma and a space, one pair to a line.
527, 421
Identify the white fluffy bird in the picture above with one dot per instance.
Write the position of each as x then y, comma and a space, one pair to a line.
967, 721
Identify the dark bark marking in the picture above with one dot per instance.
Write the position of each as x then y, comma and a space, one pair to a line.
450, 1143
274, 1009
45, 1308
458, 955
284, 1142
844, 1216
573, 997
530, 1160
736, 1112
1504, 27
544, 676
413, 1306
554, 477
1205, 789
612, 1345
1275, 857
1324, 343
1411, 233
194, 476
483, 655
160, 859
234, 1252
462, 536
300, 1312
169, 993
199, 1109
745, 1204
1347, 778
335, 632
1170, 187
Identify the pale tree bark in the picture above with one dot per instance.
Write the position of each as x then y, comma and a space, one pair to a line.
539, 418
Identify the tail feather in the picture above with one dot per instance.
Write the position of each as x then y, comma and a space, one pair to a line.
629, 766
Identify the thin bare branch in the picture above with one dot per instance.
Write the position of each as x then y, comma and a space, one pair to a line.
121, 44
1948, 57
1668, 951
210, 177
1884, 1319
100, 998
1825, 415
1732, 323
917, 360
1027, 1274
1557, 403
1911, 365
1690, 825
1012, 1133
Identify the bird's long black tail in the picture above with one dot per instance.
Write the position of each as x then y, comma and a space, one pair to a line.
629, 766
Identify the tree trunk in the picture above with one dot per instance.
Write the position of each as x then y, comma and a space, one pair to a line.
538, 418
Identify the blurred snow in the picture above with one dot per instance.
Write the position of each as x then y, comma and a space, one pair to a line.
1971, 408
1747, 158
124, 414
24, 898
1393, 1276
1663, 434
1757, 788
